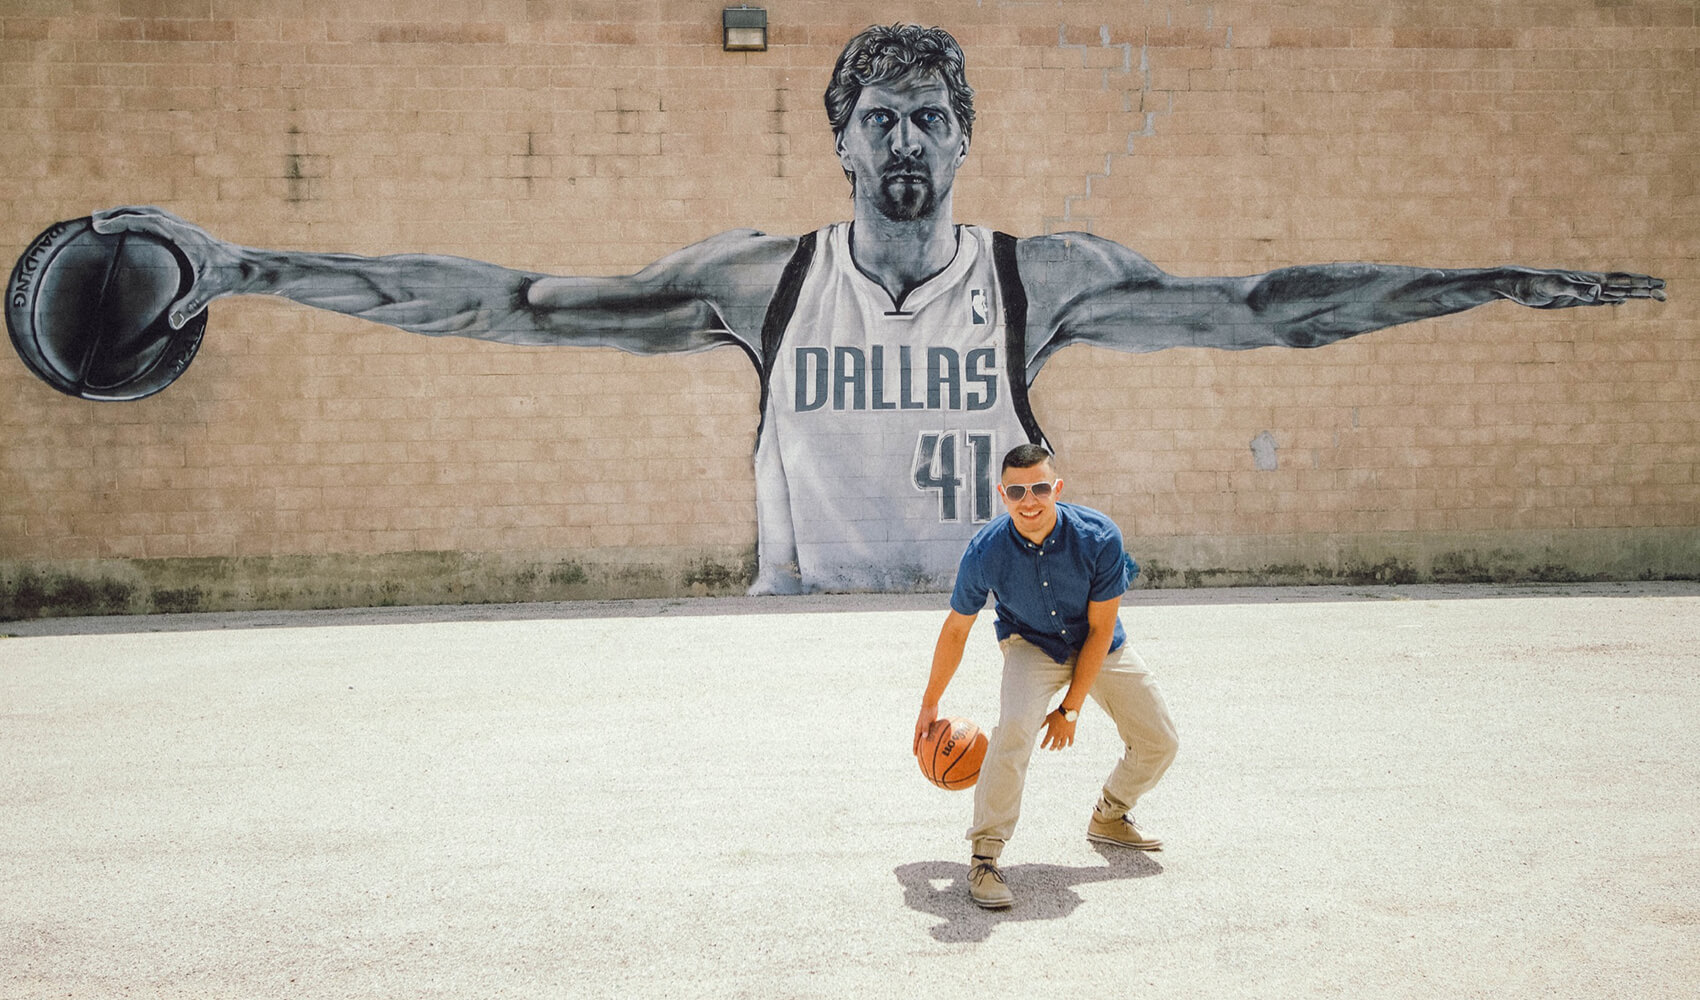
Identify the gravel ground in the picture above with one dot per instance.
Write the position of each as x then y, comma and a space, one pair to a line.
1467, 791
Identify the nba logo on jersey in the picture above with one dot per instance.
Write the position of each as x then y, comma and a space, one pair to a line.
977, 305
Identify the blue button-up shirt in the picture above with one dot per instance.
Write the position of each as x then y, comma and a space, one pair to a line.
1042, 590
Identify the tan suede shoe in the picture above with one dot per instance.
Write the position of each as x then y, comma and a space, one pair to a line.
1122, 832
986, 885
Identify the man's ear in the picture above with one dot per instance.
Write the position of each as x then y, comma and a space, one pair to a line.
962, 154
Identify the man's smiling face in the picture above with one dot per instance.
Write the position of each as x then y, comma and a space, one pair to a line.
1033, 508
903, 145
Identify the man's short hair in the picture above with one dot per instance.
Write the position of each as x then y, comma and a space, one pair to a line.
1025, 456
882, 54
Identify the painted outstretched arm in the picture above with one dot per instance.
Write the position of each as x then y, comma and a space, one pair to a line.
1091, 290
704, 295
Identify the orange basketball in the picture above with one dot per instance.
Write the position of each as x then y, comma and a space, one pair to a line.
951, 752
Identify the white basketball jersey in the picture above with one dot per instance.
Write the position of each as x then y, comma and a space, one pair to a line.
885, 423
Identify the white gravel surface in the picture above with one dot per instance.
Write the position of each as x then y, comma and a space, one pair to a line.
1381, 792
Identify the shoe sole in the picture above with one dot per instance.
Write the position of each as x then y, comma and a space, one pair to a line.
993, 904
1143, 845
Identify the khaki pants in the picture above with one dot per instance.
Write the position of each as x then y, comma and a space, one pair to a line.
1124, 690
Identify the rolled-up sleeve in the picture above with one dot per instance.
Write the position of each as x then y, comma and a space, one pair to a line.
969, 595
1110, 568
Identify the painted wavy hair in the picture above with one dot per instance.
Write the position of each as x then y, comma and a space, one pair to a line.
882, 54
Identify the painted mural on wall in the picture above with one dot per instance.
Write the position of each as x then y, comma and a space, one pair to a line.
894, 350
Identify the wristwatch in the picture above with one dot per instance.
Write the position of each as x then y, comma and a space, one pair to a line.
1068, 714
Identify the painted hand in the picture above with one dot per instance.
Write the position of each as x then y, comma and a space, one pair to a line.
1561, 289
216, 265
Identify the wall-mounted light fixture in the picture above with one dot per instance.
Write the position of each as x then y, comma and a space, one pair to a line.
745, 29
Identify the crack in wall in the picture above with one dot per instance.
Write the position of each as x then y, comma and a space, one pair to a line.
1137, 99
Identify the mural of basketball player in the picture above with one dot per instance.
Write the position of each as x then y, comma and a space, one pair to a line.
895, 350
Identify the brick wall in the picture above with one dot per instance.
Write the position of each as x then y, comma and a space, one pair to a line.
309, 459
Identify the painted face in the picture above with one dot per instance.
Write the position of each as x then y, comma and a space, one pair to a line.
902, 146
1035, 513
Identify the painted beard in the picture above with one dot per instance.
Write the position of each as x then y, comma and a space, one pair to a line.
906, 192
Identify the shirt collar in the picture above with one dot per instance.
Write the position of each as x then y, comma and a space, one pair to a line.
1051, 539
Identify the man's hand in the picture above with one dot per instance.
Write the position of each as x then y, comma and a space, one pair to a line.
1059, 732
923, 722
216, 265
1561, 289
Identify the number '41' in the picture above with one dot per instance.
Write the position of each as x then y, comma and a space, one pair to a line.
940, 457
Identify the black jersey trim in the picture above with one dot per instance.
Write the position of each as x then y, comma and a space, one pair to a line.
779, 311
1014, 296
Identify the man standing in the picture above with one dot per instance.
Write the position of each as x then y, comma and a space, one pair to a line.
894, 350
1058, 572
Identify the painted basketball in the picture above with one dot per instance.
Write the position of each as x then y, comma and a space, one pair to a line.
87, 312
951, 753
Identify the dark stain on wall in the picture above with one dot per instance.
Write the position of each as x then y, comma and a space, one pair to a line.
1497, 566
295, 170
33, 596
714, 576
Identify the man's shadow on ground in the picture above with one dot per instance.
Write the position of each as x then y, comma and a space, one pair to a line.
1042, 892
